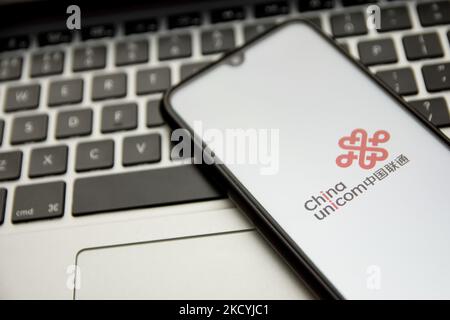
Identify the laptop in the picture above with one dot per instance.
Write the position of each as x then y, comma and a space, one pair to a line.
93, 203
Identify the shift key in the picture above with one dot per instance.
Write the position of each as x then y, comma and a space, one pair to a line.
38, 201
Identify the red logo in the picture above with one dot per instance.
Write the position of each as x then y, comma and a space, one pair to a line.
362, 148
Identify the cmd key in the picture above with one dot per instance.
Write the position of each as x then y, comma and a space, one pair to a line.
38, 201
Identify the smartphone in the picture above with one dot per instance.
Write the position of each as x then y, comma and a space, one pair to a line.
347, 182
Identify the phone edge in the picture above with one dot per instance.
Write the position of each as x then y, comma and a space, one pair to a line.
288, 249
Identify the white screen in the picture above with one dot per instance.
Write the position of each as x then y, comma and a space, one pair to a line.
390, 241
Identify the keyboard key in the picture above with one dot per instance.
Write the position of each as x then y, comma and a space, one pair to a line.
141, 26
109, 86
45, 64
148, 188
54, 37
65, 92
131, 52
89, 58
22, 98
48, 161
74, 123
347, 3
345, 46
119, 117
153, 80
98, 31
10, 165
184, 20
10, 68
154, 118
14, 43
39, 201
422, 46
434, 109
95, 155
401, 80
375, 52
437, 77
227, 14
251, 31
141, 149
270, 9
3, 193
175, 46
29, 129
348, 24
315, 20
216, 41
395, 18
2, 129
311, 5
187, 70
434, 13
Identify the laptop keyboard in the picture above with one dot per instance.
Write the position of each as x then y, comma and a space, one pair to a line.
80, 125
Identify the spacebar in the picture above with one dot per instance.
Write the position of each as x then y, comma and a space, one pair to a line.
141, 189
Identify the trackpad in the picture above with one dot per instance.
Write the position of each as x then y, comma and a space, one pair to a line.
237, 265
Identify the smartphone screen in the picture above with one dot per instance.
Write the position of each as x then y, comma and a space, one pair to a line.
355, 180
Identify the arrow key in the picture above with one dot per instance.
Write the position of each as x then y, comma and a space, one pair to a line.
141, 149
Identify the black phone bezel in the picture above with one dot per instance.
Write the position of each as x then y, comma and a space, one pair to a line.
262, 219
